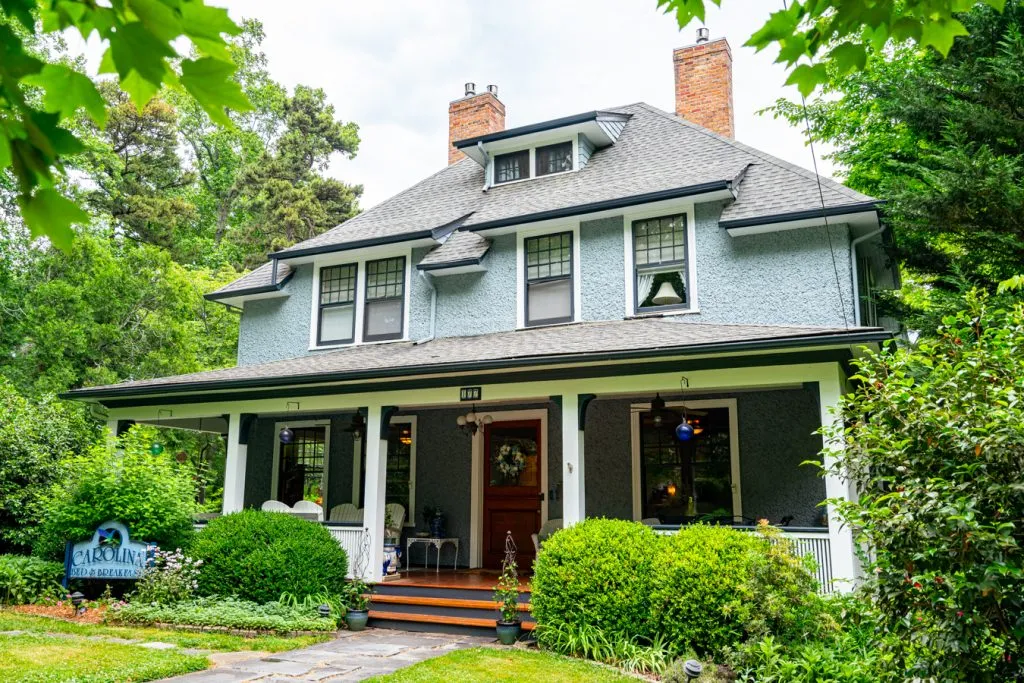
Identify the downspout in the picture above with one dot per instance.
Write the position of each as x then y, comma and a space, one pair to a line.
487, 165
856, 275
433, 306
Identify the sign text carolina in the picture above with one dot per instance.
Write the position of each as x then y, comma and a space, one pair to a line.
110, 554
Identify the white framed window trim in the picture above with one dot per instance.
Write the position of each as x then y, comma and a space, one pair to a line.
360, 259
734, 449
492, 153
693, 305
276, 466
357, 466
577, 288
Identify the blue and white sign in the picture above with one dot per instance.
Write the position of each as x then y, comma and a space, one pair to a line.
110, 554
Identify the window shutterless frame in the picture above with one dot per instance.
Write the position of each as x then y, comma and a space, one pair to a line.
544, 264
385, 281
512, 166
678, 261
555, 158
337, 289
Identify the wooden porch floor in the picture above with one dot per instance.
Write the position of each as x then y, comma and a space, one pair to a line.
467, 579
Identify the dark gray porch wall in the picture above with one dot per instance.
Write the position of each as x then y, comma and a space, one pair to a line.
776, 434
259, 462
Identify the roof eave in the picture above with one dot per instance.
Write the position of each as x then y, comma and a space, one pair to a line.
553, 124
221, 297
797, 219
290, 254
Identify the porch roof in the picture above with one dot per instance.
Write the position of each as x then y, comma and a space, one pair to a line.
569, 343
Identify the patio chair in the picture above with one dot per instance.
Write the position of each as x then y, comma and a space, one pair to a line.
275, 506
397, 516
346, 512
650, 521
549, 527
310, 508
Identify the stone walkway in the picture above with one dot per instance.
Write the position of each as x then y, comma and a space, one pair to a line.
349, 657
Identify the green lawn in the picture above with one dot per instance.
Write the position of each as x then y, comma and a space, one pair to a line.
489, 664
54, 651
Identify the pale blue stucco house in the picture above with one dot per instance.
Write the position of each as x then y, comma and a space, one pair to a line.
580, 286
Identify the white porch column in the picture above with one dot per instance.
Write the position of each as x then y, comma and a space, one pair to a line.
111, 431
234, 468
573, 485
845, 566
373, 495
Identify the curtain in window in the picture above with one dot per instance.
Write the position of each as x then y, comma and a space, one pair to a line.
686, 285
644, 283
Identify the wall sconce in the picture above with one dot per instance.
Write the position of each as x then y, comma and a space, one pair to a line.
358, 426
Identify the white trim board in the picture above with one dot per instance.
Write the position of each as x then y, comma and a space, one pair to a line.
643, 212
734, 448
577, 286
357, 465
476, 477
276, 466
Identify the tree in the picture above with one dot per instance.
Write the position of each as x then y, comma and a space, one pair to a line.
819, 37
934, 441
942, 141
140, 35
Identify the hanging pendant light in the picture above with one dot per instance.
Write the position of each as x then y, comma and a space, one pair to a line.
684, 430
666, 295
657, 410
286, 435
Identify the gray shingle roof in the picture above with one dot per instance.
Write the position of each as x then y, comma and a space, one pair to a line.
458, 248
573, 342
259, 278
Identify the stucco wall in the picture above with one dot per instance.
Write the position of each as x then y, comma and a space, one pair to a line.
477, 303
272, 329
776, 433
602, 264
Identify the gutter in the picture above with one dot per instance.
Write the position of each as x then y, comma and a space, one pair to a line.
856, 275
487, 165
344, 246
858, 207
449, 264
845, 338
433, 307
215, 296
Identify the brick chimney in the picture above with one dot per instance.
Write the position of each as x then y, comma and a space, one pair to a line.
475, 114
704, 84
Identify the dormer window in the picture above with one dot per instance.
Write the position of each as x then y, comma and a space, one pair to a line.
509, 167
554, 158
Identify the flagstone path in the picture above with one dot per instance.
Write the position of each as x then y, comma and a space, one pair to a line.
349, 657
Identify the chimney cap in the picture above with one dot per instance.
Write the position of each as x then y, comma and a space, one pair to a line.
470, 88
493, 89
703, 34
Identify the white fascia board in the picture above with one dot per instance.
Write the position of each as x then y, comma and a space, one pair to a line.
342, 255
862, 219
457, 270
239, 301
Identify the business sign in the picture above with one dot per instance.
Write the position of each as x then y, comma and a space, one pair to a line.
110, 554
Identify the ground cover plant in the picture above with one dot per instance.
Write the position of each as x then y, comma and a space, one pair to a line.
26, 579
259, 556
229, 613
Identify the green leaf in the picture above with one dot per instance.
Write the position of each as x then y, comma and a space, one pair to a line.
67, 91
47, 212
848, 57
209, 81
159, 19
20, 10
200, 21
941, 33
138, 88
806, 77
133, 47
780, 25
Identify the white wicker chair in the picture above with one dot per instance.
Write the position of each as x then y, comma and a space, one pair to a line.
397, 517
275, 506
346, 512
310, 508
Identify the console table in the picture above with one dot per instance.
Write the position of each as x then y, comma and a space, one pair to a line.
438, 543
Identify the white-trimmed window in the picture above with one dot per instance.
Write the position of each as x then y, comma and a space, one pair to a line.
400, 486
533, 162
549, 277
337, 304
555, 158
384, 311
511, 166
300, 467
661, 277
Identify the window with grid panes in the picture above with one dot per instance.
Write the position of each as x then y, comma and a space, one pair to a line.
399, 478
337, 304
659, 256
513, 166
384, 311
549, 285
300, 473
554, 158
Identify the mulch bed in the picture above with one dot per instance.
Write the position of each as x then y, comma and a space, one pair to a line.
65, 612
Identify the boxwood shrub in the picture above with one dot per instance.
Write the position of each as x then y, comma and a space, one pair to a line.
596, 573
259, 555
25, 579
715, 587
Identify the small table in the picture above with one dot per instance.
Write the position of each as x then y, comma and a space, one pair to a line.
438, 543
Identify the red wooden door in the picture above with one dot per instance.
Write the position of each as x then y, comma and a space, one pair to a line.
512, 493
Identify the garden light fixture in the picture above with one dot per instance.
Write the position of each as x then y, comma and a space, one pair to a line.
77, 599
693, 669
324, 610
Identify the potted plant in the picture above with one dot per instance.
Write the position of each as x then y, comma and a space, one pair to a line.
506, 594
392, 544
433, 515
357, 604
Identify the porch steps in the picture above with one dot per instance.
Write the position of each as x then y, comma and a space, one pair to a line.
458, 610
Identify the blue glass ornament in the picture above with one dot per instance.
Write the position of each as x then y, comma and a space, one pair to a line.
286, 435
157, 448
684, 431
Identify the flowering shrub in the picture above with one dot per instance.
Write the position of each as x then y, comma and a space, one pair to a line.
173, 577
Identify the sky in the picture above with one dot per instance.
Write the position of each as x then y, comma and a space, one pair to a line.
393, 67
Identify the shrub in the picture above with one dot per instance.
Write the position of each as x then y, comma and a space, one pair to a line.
224, 613
630, 654
151, 494
596, 573
27, 579
715, 587
173, 577
260, 555
934, 440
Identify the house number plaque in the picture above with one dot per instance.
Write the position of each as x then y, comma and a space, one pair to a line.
470, 393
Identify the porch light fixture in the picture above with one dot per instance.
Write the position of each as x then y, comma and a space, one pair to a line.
658, 410
358, 426
286, 435
405, 436
684, 430
156, 448
470, 423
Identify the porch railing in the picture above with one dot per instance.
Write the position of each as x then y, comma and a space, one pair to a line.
811, 541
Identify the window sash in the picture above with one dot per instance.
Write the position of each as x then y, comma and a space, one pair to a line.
552, 158
548, 260
385, 287
337, 288
511, 166
660, 246
306, 455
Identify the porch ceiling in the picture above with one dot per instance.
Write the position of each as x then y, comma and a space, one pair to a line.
534, 347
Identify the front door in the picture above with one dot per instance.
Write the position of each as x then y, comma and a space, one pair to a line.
512, 493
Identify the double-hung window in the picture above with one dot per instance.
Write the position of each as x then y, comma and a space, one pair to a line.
337, 313
660, 268
513, 166
384, 312
554, 158
549, 284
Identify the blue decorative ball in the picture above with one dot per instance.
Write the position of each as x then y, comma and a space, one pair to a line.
684, 431
286, 435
